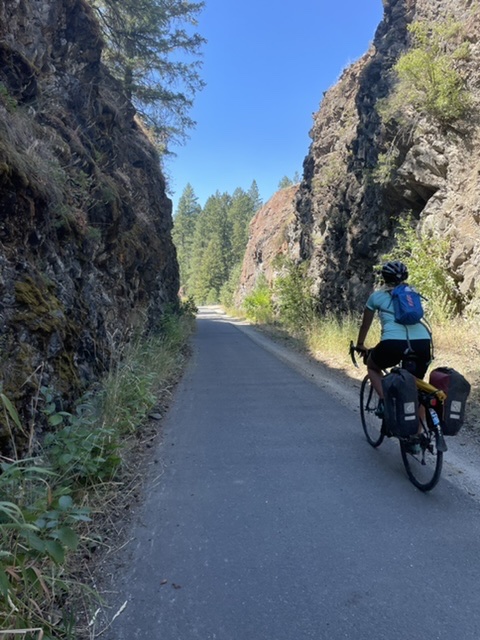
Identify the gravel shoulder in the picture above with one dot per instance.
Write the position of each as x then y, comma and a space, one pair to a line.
462, 461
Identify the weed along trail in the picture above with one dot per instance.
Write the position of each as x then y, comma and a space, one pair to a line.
269, 517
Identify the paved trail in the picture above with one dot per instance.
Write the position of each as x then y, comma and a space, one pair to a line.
274, 520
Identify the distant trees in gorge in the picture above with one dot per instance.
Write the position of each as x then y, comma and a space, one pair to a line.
211, 241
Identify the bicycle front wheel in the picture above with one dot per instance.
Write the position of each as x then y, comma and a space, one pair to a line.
423, 466
371, 423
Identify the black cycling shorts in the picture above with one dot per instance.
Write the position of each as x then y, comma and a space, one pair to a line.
390, 353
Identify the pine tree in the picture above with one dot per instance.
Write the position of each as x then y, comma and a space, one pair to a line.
212, 223
213, 272
220, 239
240, 213
147, 46
184, 223
254, 195
289, 182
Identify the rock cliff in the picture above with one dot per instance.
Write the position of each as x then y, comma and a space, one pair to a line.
347, 210
268, 239
85, 247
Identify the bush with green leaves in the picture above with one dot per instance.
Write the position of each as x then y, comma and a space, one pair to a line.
294, 303
428, 78
426, 258
38, 521
188, 308
258, 305
386, 166
80, 448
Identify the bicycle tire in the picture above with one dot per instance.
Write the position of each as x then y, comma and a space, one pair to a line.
371, 423
423, 469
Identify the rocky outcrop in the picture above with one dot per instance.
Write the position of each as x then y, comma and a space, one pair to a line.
362, 176
267, 239
85, 247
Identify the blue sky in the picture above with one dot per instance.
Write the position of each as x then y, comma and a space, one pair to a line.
266, 65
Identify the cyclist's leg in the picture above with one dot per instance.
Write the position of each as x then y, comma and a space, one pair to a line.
386, 354
375, 374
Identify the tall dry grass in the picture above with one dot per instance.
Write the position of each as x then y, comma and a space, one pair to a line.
456, 344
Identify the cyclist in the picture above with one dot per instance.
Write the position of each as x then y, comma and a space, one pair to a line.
396, 341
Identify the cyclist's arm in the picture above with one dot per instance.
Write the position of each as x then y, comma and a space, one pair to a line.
367, 320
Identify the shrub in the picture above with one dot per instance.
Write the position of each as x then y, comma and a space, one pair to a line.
40, 525
294, 302
426, 259
428, 80
80, 448
37, 529
258, 305
386, 166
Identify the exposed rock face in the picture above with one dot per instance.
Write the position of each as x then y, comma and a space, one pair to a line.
85, 247
268, 238
345, 216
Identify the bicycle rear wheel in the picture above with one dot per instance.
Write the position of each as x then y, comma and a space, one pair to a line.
371, 423
423, 468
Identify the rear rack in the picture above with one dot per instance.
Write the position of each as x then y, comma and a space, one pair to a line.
426, 387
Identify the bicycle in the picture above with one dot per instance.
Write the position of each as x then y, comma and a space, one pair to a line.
422, 454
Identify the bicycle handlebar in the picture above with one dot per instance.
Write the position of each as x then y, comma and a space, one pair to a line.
353, 349
423, 387
352, 353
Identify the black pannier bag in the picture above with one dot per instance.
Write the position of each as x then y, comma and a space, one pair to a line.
452, 411
401, 403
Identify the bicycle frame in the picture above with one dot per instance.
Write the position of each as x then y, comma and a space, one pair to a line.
422, 454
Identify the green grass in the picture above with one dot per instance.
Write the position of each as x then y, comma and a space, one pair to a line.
46, 526
145, 371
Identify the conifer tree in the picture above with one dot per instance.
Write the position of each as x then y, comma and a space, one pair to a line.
213, 272
240, 213
219, 241
254, 195
211, 223
289, 182
184, 223
147, 47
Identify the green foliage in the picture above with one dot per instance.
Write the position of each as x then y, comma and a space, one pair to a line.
38, 523
332, 167
7, 99
429, 81
289, 182
146, 366
188, 308
258, 305
254, 195
229, 288
148, 47
183, 231
386, 166
239, 215
294, 303
80, 449
426, 259
219, 242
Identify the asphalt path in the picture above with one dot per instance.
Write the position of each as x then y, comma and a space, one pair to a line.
273, 519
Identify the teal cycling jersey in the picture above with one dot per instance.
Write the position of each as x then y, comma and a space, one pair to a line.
381, 301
